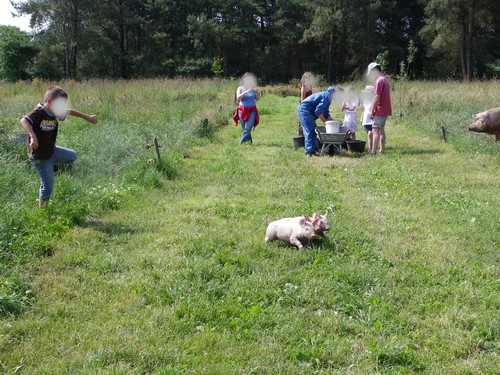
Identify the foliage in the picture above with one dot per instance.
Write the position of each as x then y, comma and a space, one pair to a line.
16, 53
383, 60
217, 69
463, 37
277, 40
406, 65
495, 66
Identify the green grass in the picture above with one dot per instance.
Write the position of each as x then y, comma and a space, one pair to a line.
112, 162
178, 279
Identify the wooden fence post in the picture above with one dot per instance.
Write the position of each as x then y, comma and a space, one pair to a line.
157, 149
443, 133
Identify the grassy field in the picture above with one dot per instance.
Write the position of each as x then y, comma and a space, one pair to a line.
177, 277
112, 160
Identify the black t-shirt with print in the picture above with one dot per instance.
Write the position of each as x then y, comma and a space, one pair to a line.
45, 126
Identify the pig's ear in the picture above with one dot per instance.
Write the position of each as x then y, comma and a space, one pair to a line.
302, 221
316, 215
307, 217
315, 223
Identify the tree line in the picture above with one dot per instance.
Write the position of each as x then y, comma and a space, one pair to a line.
275, 39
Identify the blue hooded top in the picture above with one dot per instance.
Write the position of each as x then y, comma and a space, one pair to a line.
318, 103
249, 99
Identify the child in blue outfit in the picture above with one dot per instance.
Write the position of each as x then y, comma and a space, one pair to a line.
310, 109
247, 112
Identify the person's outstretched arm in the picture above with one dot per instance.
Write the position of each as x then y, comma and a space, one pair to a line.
90, 118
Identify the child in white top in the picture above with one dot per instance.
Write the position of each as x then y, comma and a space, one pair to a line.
351, 104
366, 120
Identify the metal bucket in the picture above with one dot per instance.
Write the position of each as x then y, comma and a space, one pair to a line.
333, 127
356, 146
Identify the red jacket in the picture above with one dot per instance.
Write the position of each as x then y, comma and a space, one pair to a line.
245, 114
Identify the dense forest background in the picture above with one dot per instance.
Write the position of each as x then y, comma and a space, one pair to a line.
275, 39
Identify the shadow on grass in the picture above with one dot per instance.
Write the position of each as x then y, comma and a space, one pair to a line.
329, 245
418, 151
112, 229
356, 155
361, 248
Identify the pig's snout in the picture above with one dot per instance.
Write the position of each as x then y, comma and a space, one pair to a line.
476, 126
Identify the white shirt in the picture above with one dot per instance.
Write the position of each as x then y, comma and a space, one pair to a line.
366, 120
354, 102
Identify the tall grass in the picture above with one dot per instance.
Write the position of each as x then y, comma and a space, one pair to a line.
113, 158
429, 106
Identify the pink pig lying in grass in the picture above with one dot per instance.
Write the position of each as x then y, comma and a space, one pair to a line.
292, 231
298, 231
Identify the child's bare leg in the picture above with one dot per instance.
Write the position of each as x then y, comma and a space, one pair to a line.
370, 140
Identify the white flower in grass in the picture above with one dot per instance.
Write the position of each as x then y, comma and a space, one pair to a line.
290, 288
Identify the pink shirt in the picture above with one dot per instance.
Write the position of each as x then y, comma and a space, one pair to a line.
383, 89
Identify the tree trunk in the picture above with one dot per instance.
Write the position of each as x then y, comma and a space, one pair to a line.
330, 58
470, 42
70, 33
123, 46
463, 48
66, 61
365, 41
74, 40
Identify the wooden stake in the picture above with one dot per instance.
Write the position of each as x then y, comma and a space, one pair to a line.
443, 132
157, 149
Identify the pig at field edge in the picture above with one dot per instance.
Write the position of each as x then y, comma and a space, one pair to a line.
291, 231
487, 122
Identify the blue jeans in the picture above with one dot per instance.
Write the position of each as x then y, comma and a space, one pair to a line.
247, 127
45, 169
308, 122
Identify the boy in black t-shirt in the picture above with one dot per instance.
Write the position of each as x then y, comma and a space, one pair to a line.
42, 124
